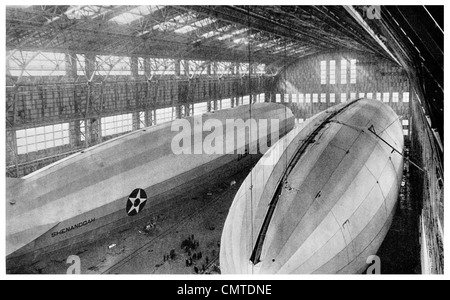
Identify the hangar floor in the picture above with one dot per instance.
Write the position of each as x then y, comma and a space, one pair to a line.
154, 245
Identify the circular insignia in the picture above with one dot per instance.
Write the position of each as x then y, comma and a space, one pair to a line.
136, 202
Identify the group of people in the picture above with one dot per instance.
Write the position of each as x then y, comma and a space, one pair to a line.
190, 245
170, 256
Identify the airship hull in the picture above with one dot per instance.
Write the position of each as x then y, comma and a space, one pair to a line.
322, 199
86, 195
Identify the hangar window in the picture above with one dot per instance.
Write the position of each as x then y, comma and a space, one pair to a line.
142, 117
226, 103
361, 95
44, 137
332, 98
308, 98
112, 65
286, 98
301, 98
244, 68
386, 97
223, 67
200, 108
82, 130
198, 67
81, 65
379, 96
211, 105
323, 98
162, 66
262, 97
343, 71
315, 98
164, 115
261, 69
28, 63
343, 97
278, 97
116, 124
353, 71
369, 95
405, 124
323, 72
352, 96
332, 71
405, 97
394, 97
141, 66
294, 98
246, 100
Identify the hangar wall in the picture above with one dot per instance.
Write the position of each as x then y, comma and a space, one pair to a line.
372, 77
427, 189
75, 108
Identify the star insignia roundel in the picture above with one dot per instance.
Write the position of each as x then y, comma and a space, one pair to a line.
136, 202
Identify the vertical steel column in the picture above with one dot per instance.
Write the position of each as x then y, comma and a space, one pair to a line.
13, 131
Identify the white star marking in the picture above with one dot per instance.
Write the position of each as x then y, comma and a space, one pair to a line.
136, 208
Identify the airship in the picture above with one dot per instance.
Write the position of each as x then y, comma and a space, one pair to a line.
321, 200
113, 184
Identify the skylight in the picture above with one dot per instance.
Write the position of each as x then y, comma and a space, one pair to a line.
135, 14
241, 41
175, 22
79, 11
126, 18
226, 36
214, 32
185, 29
195, 25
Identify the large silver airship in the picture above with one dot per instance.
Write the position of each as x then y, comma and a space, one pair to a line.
121, 180
322, 199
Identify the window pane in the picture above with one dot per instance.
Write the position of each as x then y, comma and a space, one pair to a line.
332, 72
343, 71
20, 133
308, 98
353, 71
323, 72
405, 97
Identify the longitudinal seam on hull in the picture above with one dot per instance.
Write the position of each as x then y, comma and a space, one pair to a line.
256, 253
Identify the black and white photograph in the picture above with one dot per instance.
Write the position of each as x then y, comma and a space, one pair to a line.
224, 140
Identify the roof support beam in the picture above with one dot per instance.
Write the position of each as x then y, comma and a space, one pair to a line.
369, 30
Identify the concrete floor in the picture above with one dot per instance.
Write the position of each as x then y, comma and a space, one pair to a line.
203, 215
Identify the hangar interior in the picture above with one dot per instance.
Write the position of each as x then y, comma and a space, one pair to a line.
77, 76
